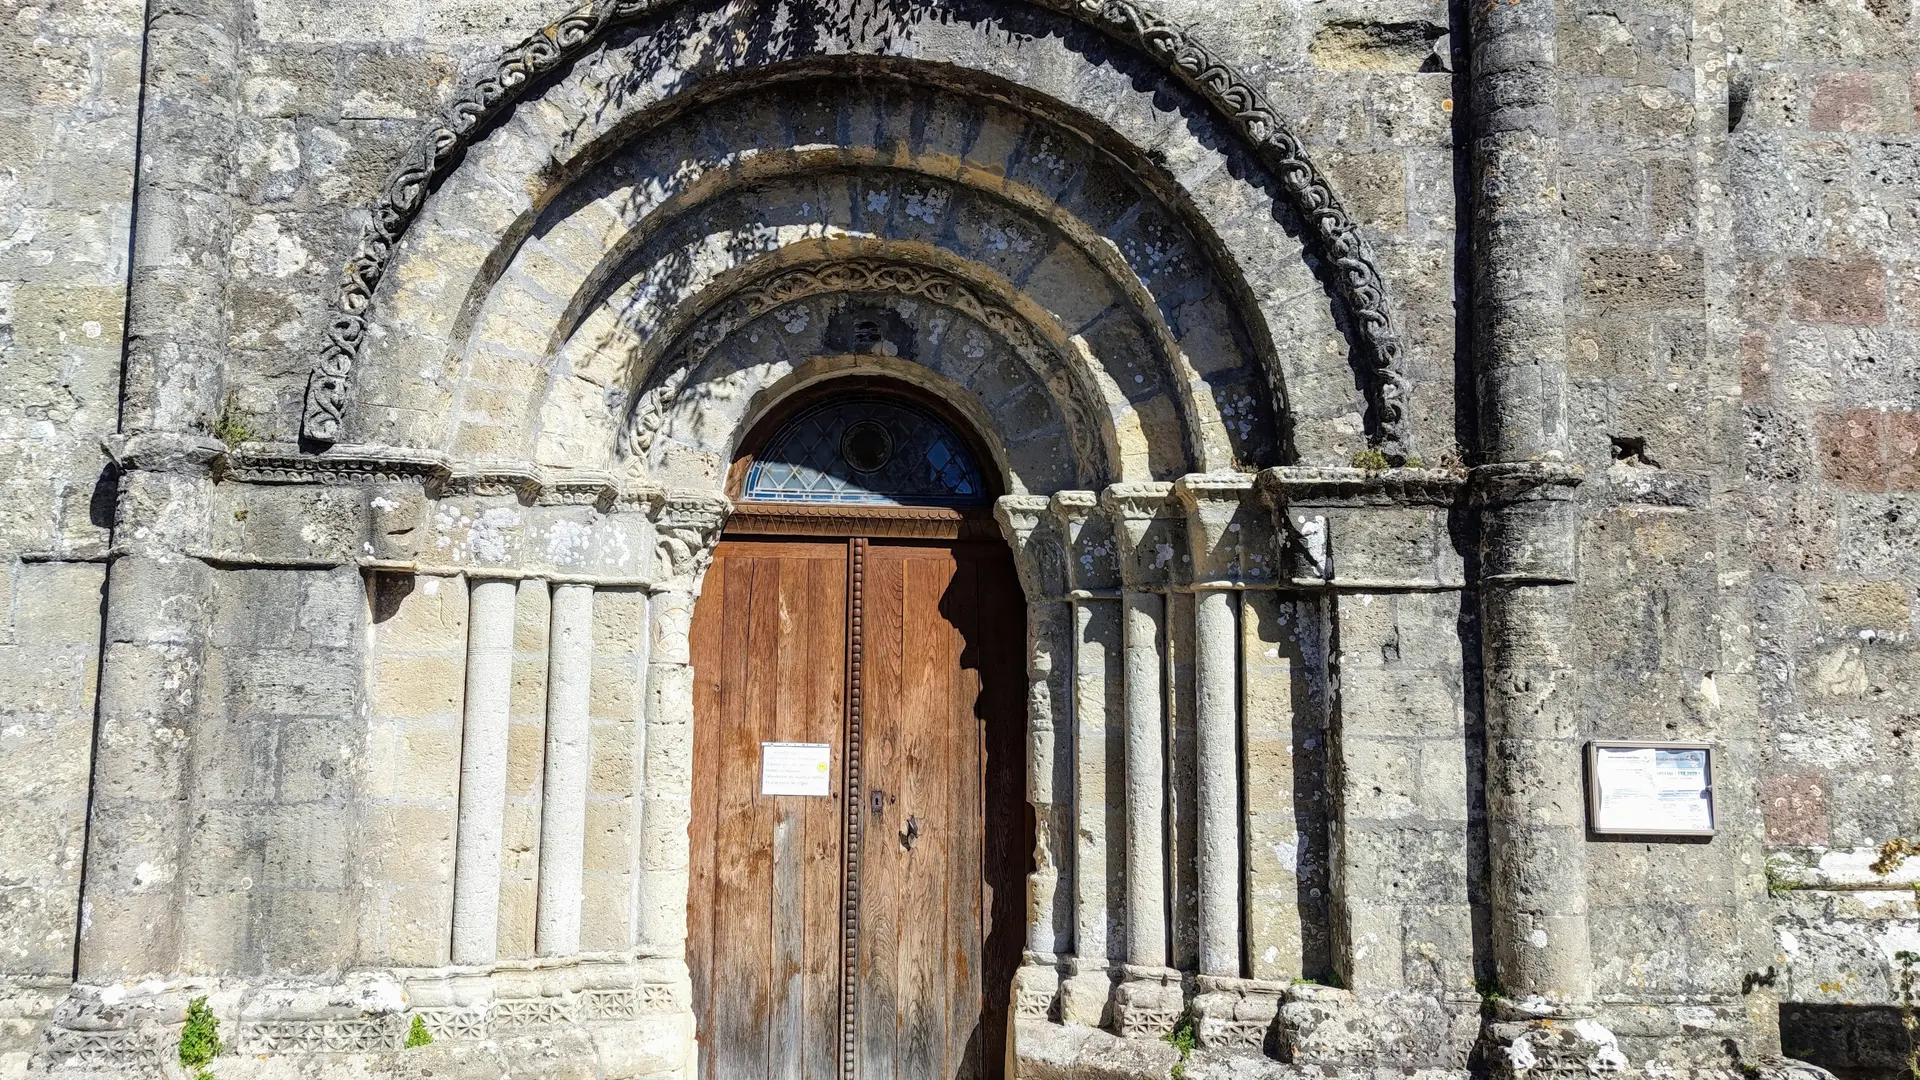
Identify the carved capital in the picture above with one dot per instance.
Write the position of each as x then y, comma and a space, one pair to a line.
1147, 526
1092, 557
1222, 538
1038, 550
686, 528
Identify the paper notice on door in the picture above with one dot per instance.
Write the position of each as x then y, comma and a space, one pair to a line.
1652, 789
796, 768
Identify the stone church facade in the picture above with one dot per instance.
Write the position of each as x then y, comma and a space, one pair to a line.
1375, 404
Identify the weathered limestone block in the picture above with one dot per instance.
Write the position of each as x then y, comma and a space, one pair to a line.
1554, 1048
1335, 1028
1075, 1052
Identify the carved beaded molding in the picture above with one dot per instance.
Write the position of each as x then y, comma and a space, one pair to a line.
650, 411
1134, 25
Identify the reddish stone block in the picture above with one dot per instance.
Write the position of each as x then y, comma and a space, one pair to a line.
1842, 101
1860, 101
1902, 450
1795, 809
1871, 449
1850, 448
1827, 291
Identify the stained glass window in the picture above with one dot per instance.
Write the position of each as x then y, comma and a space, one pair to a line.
863, 449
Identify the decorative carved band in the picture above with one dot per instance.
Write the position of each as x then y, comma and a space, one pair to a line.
1131, 23
850, 885
650, 410
918, 522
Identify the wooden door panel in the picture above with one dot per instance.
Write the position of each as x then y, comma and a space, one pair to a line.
939, 710
940, 909
769, 640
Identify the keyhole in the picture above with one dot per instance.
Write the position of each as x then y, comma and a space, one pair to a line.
879, 802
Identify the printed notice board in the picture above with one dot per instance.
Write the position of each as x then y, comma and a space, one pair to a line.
1651, 789
796, 768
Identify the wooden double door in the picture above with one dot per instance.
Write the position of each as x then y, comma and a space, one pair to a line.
873, 930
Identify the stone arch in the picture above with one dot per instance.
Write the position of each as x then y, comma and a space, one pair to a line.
564, 131
1072, 422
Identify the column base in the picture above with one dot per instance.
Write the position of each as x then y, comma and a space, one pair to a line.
1236, 1014
1148, 1002
1036, 988
1086, 995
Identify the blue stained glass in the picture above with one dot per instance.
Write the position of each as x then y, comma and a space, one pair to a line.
866, 450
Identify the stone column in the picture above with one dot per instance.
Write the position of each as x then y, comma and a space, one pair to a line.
483, 773
154, 647
687, 526
177, 304
1093, 574
1149, 1000
1528, 522
1213, 503
1536, 814
1027, 524
563, 807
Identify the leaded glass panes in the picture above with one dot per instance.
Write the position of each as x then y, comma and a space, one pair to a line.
871, 450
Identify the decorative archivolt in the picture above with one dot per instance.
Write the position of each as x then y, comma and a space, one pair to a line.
652, 408
580, 30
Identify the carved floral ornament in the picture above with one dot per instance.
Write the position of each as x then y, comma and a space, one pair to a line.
1132, 24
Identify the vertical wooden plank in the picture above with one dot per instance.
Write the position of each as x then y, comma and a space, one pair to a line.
744, 856
825, 631
786, 1030
709, 618
881, 866
924, 723
959, 603
786, 996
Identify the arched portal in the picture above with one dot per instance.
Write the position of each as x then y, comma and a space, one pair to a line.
856, 889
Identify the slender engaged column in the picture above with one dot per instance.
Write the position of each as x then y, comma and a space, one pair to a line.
688, 528
563, 809
1028, 527
1146, 780
483, 773
1216, 748
1149, 1000
1217, 507
1093, 572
